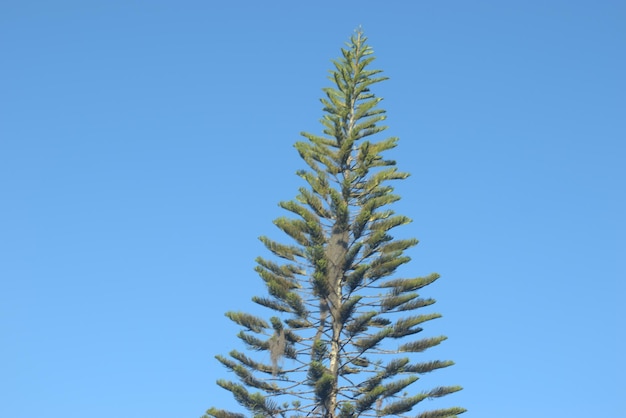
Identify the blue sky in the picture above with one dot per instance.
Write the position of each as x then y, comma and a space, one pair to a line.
144, 147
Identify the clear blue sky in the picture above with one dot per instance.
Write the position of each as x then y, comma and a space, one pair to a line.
144, 146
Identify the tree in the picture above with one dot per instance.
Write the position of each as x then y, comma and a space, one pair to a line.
341, 341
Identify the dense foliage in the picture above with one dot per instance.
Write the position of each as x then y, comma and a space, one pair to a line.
342, 340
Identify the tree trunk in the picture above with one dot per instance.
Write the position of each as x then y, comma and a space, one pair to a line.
336, 254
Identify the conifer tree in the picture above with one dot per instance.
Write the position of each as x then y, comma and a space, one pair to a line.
340, 339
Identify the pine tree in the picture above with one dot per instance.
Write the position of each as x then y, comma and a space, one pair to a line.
341, 341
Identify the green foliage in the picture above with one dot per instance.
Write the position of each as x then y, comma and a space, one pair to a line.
336, 340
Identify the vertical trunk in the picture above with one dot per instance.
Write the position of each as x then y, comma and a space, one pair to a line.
336, 255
